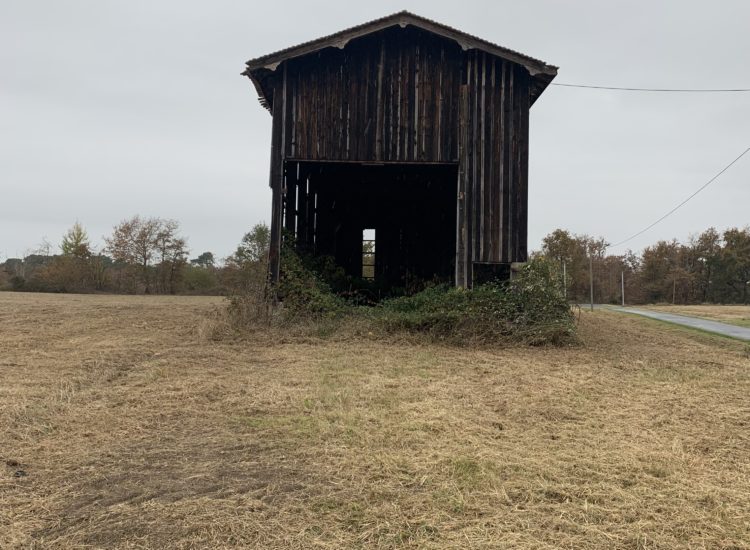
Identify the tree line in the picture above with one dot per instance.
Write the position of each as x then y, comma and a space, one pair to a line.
150, 256
711, 267
142, 255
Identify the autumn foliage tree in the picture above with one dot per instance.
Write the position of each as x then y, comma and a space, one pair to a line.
246, 274
710, 267
153, 250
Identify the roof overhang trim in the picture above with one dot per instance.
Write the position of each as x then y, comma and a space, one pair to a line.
541, 72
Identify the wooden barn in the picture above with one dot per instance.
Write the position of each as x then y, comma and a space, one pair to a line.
400, 148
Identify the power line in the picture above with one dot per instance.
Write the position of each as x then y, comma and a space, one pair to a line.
678, 90
709, 182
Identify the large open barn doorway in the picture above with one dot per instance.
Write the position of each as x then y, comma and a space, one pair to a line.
392, 223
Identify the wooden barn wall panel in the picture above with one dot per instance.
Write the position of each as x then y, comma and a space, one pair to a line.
406, 96
496, 159
387, 97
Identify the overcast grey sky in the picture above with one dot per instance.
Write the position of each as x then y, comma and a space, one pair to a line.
108, 109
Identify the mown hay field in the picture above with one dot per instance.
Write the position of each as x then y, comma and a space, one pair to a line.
124, 426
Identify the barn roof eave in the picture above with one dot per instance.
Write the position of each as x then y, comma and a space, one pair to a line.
541, 72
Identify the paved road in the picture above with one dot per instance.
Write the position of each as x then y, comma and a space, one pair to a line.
742, 333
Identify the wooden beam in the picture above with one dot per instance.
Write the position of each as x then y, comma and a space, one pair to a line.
275, 180
461, 198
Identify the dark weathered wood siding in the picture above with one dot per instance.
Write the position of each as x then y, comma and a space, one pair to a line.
494, 159
387, 97
406, 95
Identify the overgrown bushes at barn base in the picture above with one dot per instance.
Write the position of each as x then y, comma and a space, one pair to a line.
529, 308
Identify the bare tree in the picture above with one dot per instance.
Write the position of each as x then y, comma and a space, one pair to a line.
171, 250
43, 248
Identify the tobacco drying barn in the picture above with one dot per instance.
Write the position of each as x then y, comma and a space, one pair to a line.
400, 148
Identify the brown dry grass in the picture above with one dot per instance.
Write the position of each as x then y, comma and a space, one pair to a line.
733, 314
136, 432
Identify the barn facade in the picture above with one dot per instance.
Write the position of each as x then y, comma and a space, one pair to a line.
400, 148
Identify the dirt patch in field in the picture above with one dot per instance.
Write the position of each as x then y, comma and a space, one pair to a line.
134, 431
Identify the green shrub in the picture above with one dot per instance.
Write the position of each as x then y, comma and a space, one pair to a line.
529, 308
303, 292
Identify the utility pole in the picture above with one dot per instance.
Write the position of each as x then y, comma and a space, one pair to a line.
565, 281
591, 278
622, 287
674, 288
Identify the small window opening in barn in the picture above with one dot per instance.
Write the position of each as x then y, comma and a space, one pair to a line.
368, 254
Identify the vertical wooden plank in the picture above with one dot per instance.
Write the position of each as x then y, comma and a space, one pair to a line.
287, 126
288, 184
461, 280
325, 109
323, 222
398, 127
437, 146
472, 168
412, 107
346, 88
505, 151
290, 200
276, 180
334, 151
427, 100
368, 144
411, 104
487, 159
372, 104
453, 79
476, 213
312, 127
482, 156
302, 115
501, 160
364, 125
379, 137
312, 213
405, 104
303, 229
293, 115
355, 101
330, 150
429, 151
522, 191
511, 164
496, 164
424, 92
300, 118
318, 106
391, 102
341, 114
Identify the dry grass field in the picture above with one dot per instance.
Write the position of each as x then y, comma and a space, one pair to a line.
732, 314
124, 427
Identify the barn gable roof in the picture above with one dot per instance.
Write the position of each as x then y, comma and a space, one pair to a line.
541, 73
